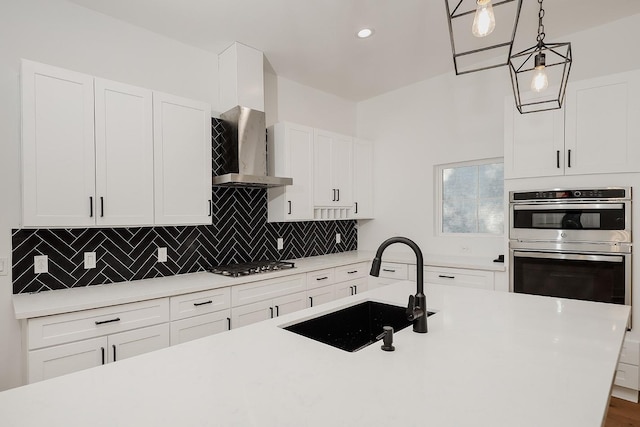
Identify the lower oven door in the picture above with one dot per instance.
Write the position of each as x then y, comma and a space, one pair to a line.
585, 276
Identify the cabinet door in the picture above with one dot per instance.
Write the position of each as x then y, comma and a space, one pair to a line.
182, 159
138, 341
333, 169
251, 313
362, 179
352, 287
603, 130
457, 277
200, 326
533, 143
324, 189
319, 296
291, 155
58, 156
67, 358
124, 154
289, 303
342, 169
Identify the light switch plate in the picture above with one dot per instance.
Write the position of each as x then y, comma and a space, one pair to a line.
4, 266
40, 264
162, 254
89, 260
338, 238
280, 243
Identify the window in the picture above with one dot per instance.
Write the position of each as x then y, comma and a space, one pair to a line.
470, 197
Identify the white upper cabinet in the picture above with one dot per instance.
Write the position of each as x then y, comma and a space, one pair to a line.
124, 154
333, 170
602, 124
182, 157
241, 77
58, 158
597, 131
534, 142
290, 154
362, 179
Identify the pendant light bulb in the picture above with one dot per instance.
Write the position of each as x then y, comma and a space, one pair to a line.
539, 82
484, 21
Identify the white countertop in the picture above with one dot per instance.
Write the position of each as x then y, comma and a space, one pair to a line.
75, 299
490, 359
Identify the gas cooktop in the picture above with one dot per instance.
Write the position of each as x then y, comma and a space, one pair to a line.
256, 267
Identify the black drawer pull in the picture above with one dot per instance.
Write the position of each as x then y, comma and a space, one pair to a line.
322, 278
114, 353
352, 272
388, 270
102, 322
202, 303
102, 350
228, 323
444, 276
310, 301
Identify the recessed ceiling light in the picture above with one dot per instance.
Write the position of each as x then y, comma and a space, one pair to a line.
364, 33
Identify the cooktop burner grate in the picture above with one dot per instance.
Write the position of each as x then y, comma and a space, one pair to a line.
256, 267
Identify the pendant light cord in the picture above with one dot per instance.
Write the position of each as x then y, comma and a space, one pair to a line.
541, 33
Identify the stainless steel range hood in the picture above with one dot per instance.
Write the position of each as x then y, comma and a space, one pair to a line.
246, 155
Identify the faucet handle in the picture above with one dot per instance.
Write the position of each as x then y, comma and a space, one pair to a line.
410, 307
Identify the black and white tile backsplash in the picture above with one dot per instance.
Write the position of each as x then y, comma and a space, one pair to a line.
240, 233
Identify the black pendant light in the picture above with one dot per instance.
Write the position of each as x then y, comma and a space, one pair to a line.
475, 44
539, 74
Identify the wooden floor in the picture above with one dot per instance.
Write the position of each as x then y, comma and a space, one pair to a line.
623, 414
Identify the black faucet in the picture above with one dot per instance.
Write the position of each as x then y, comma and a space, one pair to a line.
417, 308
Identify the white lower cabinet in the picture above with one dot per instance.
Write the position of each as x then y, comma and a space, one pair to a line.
63, 359
334, 283
479, 279
390, 272
201, 326
247, 314
627, 380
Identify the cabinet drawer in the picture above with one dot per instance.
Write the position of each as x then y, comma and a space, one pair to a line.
197, 303
69, 327
452, 276
316, 279
630, 352
267, 289
200, 326
394, 270
627, 376
351, 271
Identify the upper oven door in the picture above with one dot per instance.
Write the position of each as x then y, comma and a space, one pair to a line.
571, 222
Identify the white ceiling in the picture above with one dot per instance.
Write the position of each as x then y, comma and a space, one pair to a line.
313, 41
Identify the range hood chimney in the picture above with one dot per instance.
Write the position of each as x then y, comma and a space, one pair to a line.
242, 96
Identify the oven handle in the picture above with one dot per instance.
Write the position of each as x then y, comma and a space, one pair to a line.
576, 257
567, 206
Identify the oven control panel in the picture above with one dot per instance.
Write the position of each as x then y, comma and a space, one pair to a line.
599, 193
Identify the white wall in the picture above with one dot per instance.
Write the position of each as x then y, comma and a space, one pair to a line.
457, 118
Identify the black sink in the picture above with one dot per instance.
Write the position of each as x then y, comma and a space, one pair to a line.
355, 327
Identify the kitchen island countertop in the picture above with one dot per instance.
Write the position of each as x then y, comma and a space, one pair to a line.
490, 359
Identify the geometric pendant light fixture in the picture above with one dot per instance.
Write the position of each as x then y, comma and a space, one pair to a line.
481, 32
539, 75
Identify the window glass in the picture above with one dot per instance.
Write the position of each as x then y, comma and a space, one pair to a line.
471, 197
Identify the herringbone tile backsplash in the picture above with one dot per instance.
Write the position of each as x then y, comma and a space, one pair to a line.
240, 233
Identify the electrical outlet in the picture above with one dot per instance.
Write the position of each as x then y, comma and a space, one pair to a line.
89, 260
4, 266
40, 264
162, 254
338, 238
280, 243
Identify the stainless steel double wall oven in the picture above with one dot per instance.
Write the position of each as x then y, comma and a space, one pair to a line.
572, 243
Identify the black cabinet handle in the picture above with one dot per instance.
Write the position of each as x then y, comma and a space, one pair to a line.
334, 195
356, 207
352, 272
114, 353
338, 195
202, 303
444, 276
228, 323
101, 206
289, 201
322, 278
102, 322
210, 208
277, 311
310, 301
558, 159
271, 311
102, 350
388, 270
569, 158
90, 206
